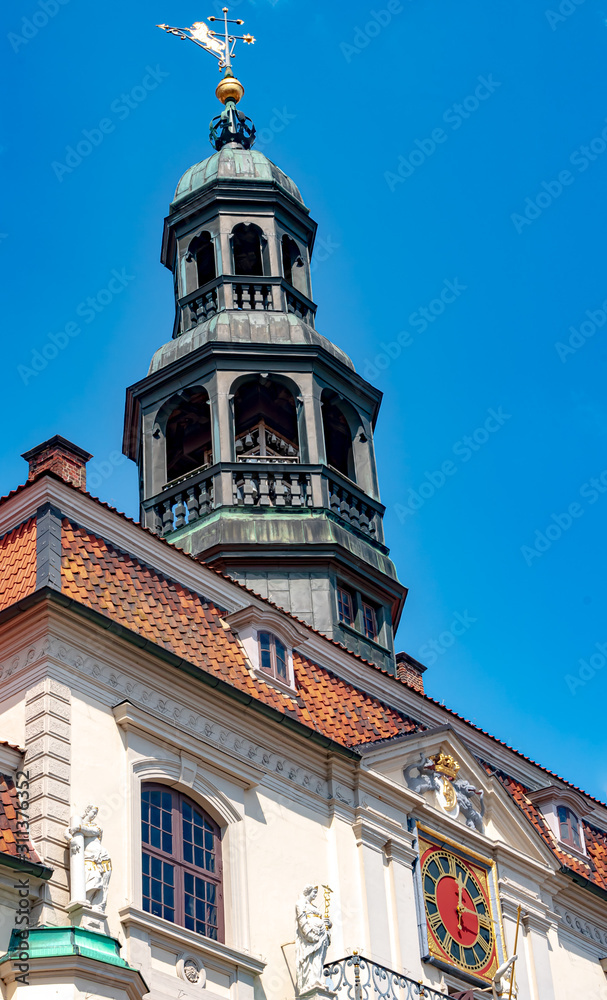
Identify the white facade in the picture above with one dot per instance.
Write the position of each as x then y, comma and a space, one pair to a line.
97, 716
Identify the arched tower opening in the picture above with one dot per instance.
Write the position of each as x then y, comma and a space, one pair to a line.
201, 253
293, 265
249, 250
338, 435
265, 421
188, 434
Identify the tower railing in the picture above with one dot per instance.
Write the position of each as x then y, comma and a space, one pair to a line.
262, 293
357, 978
263, 485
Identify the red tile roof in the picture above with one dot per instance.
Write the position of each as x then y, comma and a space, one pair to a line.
18, 563
117, 585
9, 817
595, 869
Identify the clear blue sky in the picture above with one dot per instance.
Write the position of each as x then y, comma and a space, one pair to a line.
357, 93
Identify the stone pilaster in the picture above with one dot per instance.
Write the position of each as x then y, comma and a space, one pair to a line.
47, 758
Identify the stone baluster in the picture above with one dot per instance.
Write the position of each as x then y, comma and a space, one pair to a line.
192, 503
334, 497
295, 490
157, 519
179, 512
344, 505
250, 492
257, 297
205, 499
308, 488
167, 517
264, 490
280, 491
364, 519
354, 513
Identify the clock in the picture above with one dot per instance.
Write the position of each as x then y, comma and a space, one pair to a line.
458, 911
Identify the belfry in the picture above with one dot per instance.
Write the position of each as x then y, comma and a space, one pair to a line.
252, 431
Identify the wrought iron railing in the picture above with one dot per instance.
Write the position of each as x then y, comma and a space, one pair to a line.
357, 978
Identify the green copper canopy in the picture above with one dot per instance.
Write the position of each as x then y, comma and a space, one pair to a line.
233, 163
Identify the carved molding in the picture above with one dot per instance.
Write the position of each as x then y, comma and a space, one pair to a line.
160, 705
581, 926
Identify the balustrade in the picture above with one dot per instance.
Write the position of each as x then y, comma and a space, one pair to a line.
356, 978
352, 508
252, 295
183, 505
254, 487
263, 481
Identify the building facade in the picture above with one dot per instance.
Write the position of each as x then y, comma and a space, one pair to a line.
203, 712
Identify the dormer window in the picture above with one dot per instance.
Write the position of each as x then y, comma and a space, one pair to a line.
569, 827
273, 656
345, 606
563, 809
369, 620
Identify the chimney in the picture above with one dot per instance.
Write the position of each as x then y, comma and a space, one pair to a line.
410, 671
60, 456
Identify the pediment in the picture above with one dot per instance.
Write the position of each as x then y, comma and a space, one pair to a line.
455, 790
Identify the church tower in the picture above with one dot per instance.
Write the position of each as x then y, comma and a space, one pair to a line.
253, 433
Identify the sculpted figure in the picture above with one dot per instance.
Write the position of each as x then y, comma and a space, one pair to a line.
501, 986
90, 864
425, 780
312, 939
474, 816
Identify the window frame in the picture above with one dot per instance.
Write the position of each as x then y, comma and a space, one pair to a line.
273, 671
364, 607
573, 825
180, 865
343, 590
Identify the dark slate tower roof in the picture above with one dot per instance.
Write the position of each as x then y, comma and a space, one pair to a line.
232, 162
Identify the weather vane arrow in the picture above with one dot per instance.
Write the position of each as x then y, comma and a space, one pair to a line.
211, 41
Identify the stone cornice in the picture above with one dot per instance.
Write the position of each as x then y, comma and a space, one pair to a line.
68, 969
131, 916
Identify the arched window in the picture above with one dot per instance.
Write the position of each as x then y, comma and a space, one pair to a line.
338, 436
293, 264
248, 244
265, 421
181, 862
188, 435
569, 827
202, 251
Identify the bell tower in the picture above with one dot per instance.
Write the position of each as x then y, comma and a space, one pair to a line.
252, 432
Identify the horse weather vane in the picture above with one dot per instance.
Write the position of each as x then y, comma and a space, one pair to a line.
221, 48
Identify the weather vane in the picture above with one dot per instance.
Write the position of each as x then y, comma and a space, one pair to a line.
221, 48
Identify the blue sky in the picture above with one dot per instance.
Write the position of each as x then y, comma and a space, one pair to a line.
452, 154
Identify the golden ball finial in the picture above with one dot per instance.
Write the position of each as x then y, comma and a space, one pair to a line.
229, 89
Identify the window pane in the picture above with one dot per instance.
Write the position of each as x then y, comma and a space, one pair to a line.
264, 651
369, 622
281, 659
200, 902
158, 887
157, 819
344, 604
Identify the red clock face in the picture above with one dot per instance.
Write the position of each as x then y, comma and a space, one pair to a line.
458, 912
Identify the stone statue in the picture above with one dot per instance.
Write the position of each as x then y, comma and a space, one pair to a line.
472, 815
312, 939
426, 779
90, 864
501, 986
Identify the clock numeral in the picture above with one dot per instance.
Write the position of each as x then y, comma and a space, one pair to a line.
478, 900
485, 945
452, 866
435, 921
485, 921
447, 942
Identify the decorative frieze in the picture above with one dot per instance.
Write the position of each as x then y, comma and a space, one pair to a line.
579, 925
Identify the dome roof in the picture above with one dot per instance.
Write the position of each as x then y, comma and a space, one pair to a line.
245, 327
233, 163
